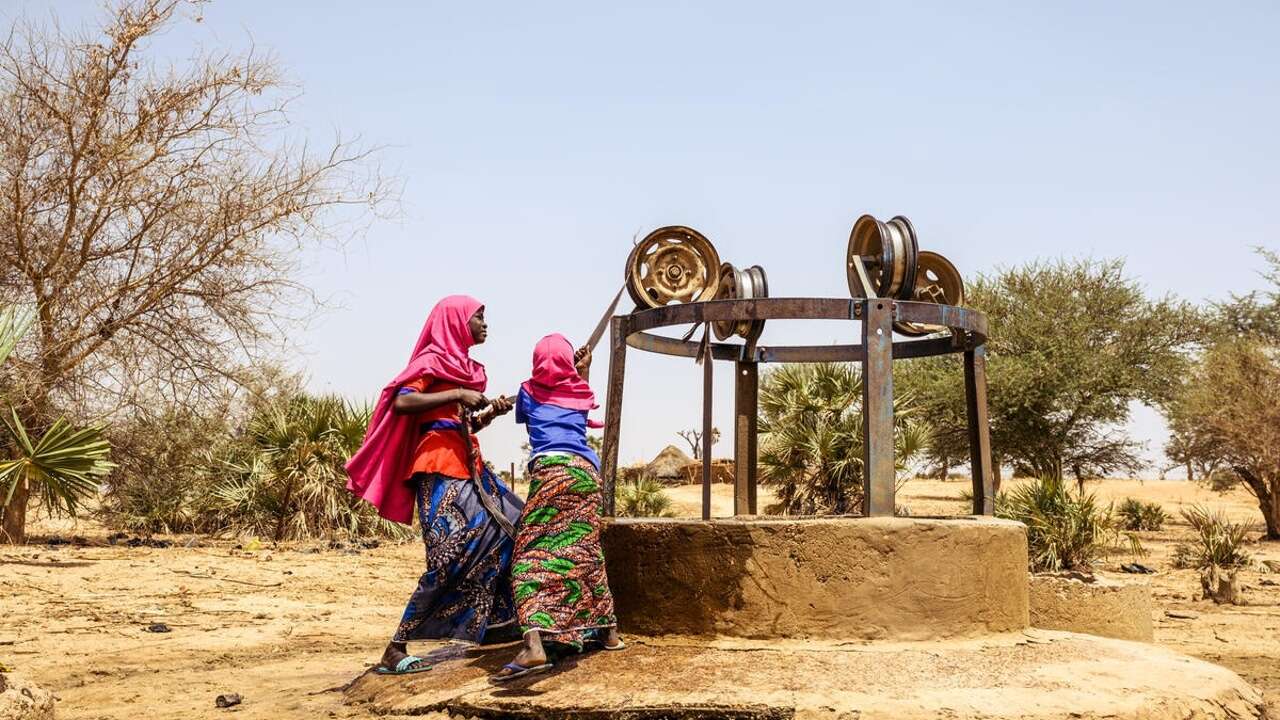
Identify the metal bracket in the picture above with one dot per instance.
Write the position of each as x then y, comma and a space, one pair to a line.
864, 279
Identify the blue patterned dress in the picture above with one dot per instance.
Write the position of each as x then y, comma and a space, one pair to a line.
467, 586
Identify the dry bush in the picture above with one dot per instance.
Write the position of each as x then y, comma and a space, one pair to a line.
269, 465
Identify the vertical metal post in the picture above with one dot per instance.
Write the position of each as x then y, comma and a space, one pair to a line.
975, 392
707, 362
877, 408
745, 432
613, 410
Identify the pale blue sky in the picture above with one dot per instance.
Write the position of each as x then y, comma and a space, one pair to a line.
534, 139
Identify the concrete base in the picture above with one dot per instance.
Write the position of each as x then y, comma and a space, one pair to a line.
1104, 607
1035, 674
844, 578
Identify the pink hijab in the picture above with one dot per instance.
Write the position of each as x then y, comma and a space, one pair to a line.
379, 469
556, 381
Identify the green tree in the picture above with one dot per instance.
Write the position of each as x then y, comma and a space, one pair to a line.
935, 387
811, 437
1228, 411
1072, 345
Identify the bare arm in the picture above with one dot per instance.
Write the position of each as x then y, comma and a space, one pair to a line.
417, 403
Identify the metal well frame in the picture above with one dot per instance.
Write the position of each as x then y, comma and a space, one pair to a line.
876, 353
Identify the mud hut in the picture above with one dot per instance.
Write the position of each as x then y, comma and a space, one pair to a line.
668, 466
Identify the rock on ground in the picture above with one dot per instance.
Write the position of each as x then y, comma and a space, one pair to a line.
22, 700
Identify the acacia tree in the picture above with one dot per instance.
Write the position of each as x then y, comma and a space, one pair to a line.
935, 387
152, 215
1229, 409
1224, 420
1072, 345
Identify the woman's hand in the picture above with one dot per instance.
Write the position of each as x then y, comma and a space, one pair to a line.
471, 398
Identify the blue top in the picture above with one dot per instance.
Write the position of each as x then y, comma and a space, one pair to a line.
554, 429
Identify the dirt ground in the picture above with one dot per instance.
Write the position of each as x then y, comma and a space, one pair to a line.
287, 627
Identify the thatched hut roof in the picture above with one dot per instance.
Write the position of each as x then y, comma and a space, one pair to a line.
669, 464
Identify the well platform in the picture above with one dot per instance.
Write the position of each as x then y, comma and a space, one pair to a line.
866, 618
880, 578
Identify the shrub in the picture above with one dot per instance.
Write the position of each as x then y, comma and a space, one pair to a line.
1218, 541
644, 497
1065, 530
275, 473
1137, 515
162, 482
285, 480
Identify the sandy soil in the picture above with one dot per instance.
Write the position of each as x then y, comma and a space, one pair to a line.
288, 627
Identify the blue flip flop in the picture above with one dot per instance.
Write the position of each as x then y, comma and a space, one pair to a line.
405, 666
519, 671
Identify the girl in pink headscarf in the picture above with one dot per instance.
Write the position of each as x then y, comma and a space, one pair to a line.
558, 576
416, 453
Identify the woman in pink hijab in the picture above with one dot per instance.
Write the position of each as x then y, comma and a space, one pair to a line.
558, 575
416, 453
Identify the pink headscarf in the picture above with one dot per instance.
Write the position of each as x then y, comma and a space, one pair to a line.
556, 381
379, 469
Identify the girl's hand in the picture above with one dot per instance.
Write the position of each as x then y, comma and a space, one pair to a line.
582, 360
502, 405
471, 398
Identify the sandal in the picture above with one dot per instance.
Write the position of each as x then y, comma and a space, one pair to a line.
408, 665
517, 671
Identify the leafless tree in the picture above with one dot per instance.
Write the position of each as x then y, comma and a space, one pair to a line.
154, 215
693, 436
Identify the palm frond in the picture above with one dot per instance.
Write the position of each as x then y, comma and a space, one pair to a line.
14, 323
64, 465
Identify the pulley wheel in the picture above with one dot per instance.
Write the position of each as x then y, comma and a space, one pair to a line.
738, 284
936, 281
672, 264
727, 289
889, 251
756, 285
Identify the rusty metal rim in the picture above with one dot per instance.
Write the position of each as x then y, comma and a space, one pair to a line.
970, 328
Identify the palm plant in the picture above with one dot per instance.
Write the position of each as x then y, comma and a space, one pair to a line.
286, 480
1137, 515
811, 437
1218, 541
1065, 530
61, 465
644, 496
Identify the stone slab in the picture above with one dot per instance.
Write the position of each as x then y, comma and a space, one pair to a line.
1030, 675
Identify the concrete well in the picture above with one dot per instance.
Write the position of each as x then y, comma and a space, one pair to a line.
830, 578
